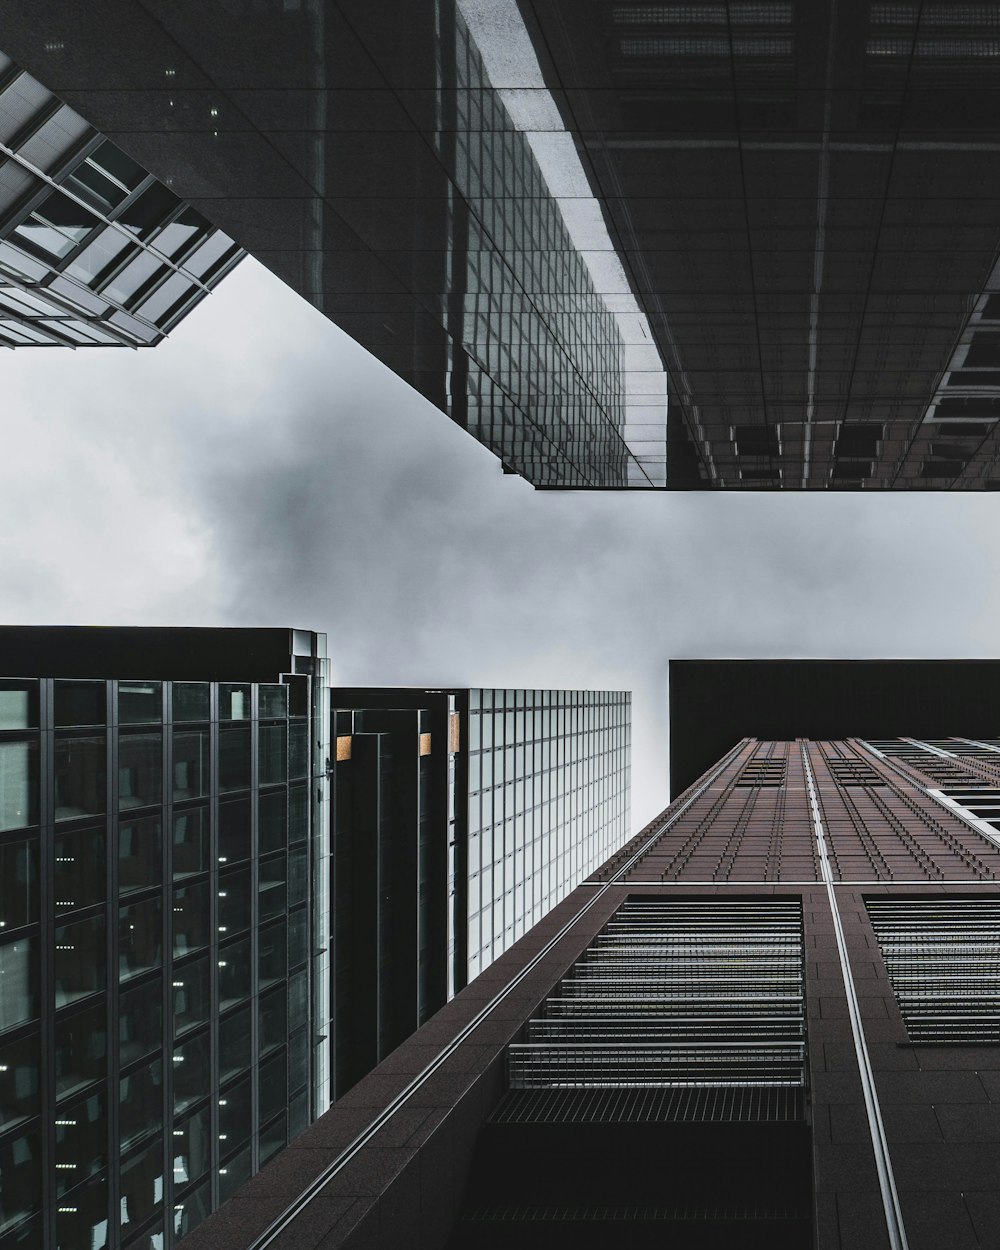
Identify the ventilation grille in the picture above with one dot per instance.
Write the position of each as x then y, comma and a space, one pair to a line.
639, 1106
699, 994
943, 959
763, 772
854, 772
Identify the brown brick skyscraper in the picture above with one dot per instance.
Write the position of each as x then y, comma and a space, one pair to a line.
773, 1019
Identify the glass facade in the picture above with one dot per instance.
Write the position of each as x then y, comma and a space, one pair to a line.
94, 251
548, 804
155, 978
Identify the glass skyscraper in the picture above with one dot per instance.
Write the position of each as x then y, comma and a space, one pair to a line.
94, 251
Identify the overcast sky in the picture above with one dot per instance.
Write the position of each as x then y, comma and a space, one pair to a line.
259, 468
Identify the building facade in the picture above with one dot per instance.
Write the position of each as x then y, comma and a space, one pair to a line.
162, 851
94, 251
769, 1020
460, 818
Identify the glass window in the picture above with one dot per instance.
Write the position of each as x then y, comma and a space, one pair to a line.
20, 1178
191, 1209
190, 918
234, 702
272, 820
298, 1060
191, 700
81, 1141
271, 888
272, 1089
273, 1138
272, 701
298, 813
272, 754
121, 167
234, 902
18, 883
298, 999
190, 982
80, 703
163, 299
234, 1173
234, 1044
200, 262
140, 947
140, 1021
18, 784
140, 770
181, 233
235, 971
78, 870
298, 749
234, 831
234, 1116
79, 777
148, 210
79, 959
140, 853
141, 1185
140, 1104
56, 226
234, 759
271, 956
18, 1080
19, 981
191, 768
93, 184
81, 1048
139, 702
82, 1220
133, 277
18, 704
191, 848
192, 1072
298, 875
298, 937
192, 1148
272, 1019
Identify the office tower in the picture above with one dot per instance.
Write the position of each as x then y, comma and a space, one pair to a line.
796, 193
460, 818
769, 1020
162, 923
94, 251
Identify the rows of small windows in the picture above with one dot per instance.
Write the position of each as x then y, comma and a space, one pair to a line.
202, 895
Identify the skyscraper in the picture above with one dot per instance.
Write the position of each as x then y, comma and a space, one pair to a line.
769, 1020
94, 251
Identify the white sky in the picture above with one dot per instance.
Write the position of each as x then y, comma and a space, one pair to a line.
259, 468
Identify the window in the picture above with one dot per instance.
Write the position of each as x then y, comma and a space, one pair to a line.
140, 770
18, 784
79, 777
79, 959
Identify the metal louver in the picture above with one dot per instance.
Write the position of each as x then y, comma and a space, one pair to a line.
676, 994
943, 959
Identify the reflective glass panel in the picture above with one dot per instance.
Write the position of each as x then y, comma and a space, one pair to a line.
298, 749
140, 946
234, 831
235, 1119
140, 853
272, 753
272, 701
190, 918
19, 1075
140, 770
191, 1208
272, 1090
271, 888
141, 1185
191, 700
190, 983
191, 764
192, 1072
139, 702
140, 1104
79, 959
272, 1019
192, 1148
235, 974
18, 883
18, 784
79, 777
233, 1173
234, 702
234, 1044
272, 819
80, 703
18, 704
81, 1140
191, 850
234, 759
82, 1217
271, 956
78, 870
234, 902
140, 1021
81, 1048
20, 1178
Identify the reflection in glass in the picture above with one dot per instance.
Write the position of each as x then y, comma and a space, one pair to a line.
18, 704
79, 777
234, 759
81, 1141
191, 700
271, 1087
233, 1173
80, 703
191, 767
18, 883
234, 1044
140, 769
273, 1138
234, 831
235, 1120
140, 926
273, 701
191, 1208
235, 973
298, 937
271, 887
79, 868
272, 1020
140, 852
19, 1075
141, 1184
18, 784
271, 956
272, 821
190, 918
20, 1178
82, 1219
191, 848
234, 902
140, 1021
192, 1072
190, 982
192, 1148
79, 960
140, 1104
272, 754
298, 749
139, 702
234, 702
81, 1048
